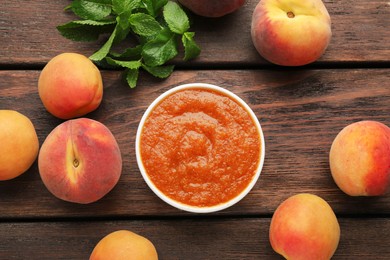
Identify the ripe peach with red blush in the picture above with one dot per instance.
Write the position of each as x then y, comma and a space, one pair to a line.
80, 161
291, 32
70, 86
304, 227
360, 159
212, 8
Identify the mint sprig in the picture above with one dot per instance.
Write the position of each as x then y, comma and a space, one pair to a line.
157, 26
91, 9
85, 30
176, 18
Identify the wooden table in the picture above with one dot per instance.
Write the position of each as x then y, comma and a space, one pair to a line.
301, 110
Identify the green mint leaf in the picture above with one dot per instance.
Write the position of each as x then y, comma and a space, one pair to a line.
105, 49
158, 4
129, 53
103, 64
176, 18
148, 5
68, 7
159, 71
120, 6
153, 6
160, 50
155, 25
132, 77
85, 30
123, 20
122, 28
91, 9
120, 32
124, 64
144, 24
94, 23
191, 49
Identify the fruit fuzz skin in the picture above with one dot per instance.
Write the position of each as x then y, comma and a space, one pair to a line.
19, 144
80, 161
212, 8
304, 227
359, 159
291, 32
124, 245
70, 86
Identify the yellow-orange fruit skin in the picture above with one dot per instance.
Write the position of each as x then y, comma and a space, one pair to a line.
212, 8
19, 144
80, 161
304, 227
291, 32
359, 159
70, 86
124, 245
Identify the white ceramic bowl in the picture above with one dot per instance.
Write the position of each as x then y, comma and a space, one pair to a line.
179, 205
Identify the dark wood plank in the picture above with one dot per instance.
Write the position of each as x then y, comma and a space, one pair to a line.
360, 34
300, 111
182, 239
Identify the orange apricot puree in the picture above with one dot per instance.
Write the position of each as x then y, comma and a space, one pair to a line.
200, 147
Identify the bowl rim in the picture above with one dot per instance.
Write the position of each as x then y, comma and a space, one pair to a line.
180, 205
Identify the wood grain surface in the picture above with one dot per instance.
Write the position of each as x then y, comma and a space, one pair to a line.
181, 239
301, 112
360, 31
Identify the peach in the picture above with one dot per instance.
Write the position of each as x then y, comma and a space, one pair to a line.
291, 32
19, 144
70, 86
80, 161
359, 159
212, 8
124, 245
304, 226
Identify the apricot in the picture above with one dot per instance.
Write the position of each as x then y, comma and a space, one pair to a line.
19, 144
80, 161
70, 86
124, 245
304, 226
359, 159
212, 8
